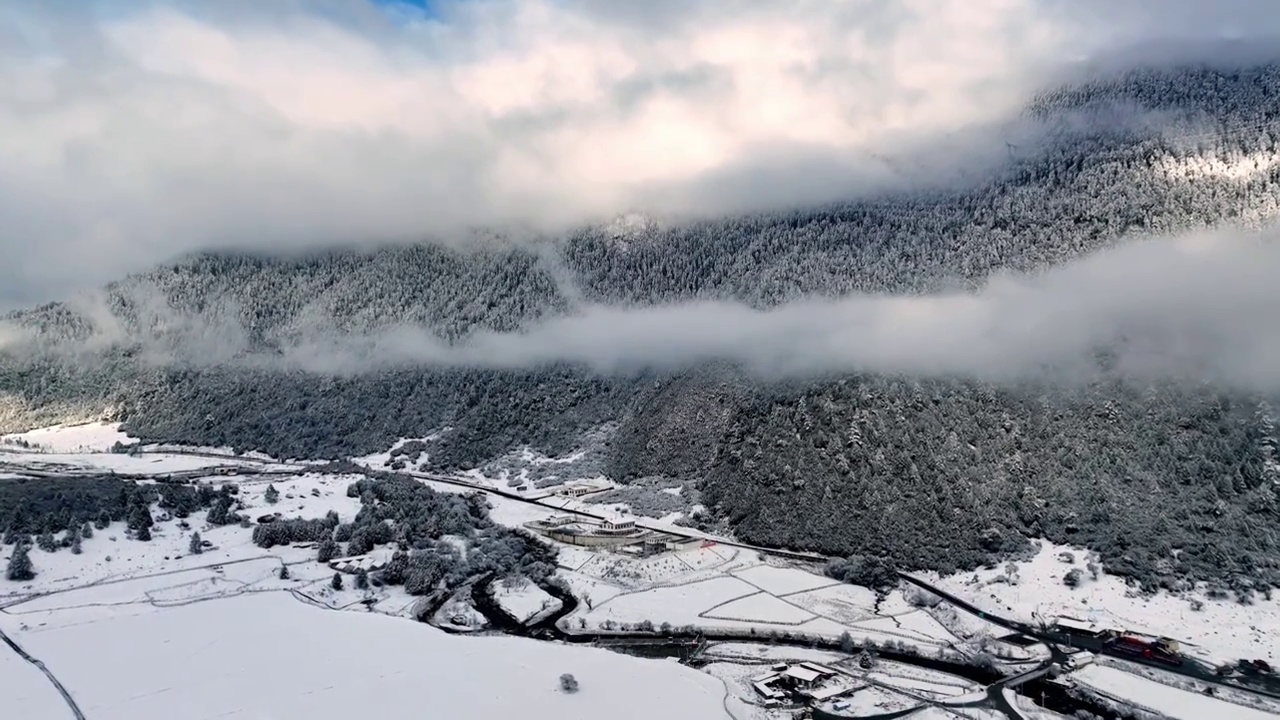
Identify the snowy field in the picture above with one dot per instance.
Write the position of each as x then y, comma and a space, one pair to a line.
724, 588
1222, 631
523, 600
1156, 697
267, 656
110, 557
27, 694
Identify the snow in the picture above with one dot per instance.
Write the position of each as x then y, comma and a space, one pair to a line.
105, 559
782, 581
26, 691
266, 655
678, 605
773, 653
760, 608
1223, 631
1170, 701
89, 437
844, 603
523, 600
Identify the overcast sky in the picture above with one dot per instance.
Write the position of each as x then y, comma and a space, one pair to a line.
132, 131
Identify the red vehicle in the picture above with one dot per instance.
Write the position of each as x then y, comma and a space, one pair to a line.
1162, 650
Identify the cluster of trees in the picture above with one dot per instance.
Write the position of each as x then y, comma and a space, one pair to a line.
1170, 484
283, 532
440, 539
71, 505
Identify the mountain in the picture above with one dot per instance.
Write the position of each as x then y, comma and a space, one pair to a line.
1169, 482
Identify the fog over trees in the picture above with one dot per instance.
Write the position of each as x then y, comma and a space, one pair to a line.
1168, 471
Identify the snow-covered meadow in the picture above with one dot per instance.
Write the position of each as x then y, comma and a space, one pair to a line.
267, 655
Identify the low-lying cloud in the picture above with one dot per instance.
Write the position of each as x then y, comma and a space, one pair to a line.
1199, 308
132, 131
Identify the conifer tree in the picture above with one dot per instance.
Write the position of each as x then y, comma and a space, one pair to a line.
20, 568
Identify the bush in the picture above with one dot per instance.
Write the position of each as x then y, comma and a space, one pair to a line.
568, 683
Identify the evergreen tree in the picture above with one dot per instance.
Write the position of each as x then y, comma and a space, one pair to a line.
362, 579
272, 495
46, 542
86, 531
20, 568
144, 533
327, 551
220, 513
140, 516
196, 546
103, 520
76, 549
284, 572
336, 583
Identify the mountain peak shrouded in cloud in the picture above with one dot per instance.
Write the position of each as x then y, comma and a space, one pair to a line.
134, 132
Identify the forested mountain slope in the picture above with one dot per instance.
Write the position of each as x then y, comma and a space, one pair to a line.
1170, 483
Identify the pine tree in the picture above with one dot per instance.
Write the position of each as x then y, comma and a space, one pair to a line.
140, 516
86, 531
144, 533
272, 495
284, 572
327, 551
336, 583
46, 542
20, 568
75, 544
196, 546
103, 520
362, 579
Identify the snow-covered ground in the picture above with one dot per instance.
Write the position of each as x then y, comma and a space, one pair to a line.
90, 437
268, 655
1222, 631
27, 694
725, 588
523, 600
1168, 701
111, 557
88, 447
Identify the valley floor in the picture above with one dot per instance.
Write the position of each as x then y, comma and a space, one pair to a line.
149, 630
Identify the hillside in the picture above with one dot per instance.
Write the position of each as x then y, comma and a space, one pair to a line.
1170, 483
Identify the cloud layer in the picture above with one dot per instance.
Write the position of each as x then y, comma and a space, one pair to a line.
132, 131
1198, 308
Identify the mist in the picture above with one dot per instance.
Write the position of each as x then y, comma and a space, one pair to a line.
1198, 308
132, 132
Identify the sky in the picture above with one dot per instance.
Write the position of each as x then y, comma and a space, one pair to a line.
132, 131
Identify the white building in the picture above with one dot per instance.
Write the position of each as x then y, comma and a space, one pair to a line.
617, 527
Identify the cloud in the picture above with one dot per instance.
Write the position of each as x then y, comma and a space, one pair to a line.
1201, 307
133, 131
1198, 308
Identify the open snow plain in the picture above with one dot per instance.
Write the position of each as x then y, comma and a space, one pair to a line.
267, 655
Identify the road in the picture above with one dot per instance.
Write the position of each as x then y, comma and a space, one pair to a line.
1189, 668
